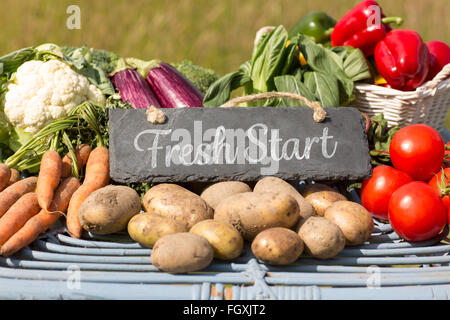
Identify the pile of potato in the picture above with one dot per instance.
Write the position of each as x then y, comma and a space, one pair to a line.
188, 230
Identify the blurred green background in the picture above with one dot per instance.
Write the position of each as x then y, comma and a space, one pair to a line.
214, 33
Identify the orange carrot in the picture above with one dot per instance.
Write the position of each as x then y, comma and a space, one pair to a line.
49, 178
15, 176
97, 168
5, 174
96, 177
39, 223
72, 218
19, 213
82, 153
13, 193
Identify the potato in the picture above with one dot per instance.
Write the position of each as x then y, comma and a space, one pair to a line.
225, 240
277, 246
146, 228
182, 252
215, 193
108, 210
274, 184
178, 203
321, 196
353, 219
322, 238
251, 212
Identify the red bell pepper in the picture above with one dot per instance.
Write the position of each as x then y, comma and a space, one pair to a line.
402, 59
439, 57
362, 27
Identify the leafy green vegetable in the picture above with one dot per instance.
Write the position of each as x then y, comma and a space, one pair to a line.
267, 60
353, 63
5, 152
324, 87
219, 92
18, 138
4, 127
328, 76
86, 123
103, 59
326, 62
201, 77
12, 61
141, 188
292, 84
380, 136
78, 58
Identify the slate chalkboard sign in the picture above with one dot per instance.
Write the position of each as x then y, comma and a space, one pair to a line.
244, 144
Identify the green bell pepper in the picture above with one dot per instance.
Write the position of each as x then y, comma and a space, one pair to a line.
317, 25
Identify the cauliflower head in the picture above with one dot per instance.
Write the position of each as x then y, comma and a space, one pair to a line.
42, 92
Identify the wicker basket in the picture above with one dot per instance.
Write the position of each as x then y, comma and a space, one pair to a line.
428, 104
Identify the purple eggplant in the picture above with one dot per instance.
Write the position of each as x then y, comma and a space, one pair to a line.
134, 89
172, 89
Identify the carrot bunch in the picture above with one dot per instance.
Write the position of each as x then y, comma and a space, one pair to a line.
29, 207
42, 220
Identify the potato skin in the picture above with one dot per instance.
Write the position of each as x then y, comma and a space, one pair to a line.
322, 238
109, 209
177, 203
181, 253
275, 184
321, 196
225, 240
217, 192
353, 219
251, 212
147, 228
277, 246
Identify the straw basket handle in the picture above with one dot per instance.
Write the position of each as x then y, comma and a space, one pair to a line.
442, 75
318, 116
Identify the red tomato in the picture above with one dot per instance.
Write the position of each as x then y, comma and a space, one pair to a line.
442, 187
416, 212
418, 150
376, 191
